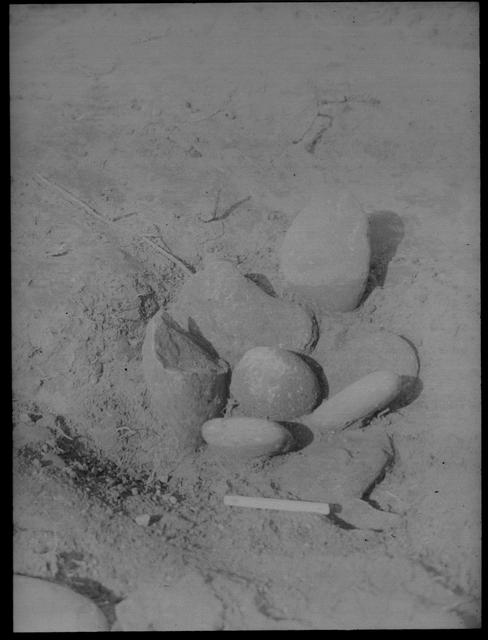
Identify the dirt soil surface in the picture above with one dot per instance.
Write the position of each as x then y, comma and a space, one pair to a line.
201, 129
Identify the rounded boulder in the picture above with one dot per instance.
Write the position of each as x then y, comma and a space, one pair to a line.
274, 383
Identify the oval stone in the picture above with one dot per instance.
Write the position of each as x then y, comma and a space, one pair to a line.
248, 437
42, 606
357, 401
274, 383
325, 254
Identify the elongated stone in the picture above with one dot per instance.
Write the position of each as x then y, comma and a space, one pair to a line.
187, 382
246, 437
42, 606
274, 383
325, 254
234, 314
357, 401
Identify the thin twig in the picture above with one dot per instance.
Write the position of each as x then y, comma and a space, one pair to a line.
310, 146
125, 215
95, 214
297, 140
232, 208
227, 211
159, 236
70, 196
216, 207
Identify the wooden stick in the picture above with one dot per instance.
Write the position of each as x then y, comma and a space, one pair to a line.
277, 505
94, 213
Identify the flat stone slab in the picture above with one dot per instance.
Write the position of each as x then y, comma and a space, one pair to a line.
333, 468
234, 314
325, 254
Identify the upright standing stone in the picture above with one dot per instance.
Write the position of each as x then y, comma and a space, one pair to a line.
187, 382
234, 314
325, 254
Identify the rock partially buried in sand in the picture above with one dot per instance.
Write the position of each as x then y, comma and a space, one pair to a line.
42, 606
351, 355
274, 383
188, 383
325, 255
338, 467
234, 314
246, 437
356, 402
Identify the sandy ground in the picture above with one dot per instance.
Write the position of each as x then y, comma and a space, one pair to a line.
146, 113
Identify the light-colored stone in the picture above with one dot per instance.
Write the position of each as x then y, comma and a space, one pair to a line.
187, 605
274, 383
187, 382
356, 402
325, 254
246, 437
234, 314
44, 607
348, 356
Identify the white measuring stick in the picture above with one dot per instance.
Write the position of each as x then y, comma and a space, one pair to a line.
277, 505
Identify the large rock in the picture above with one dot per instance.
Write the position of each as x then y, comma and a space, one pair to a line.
234, 314
325, 255
350, 355
44, 607
188, 382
